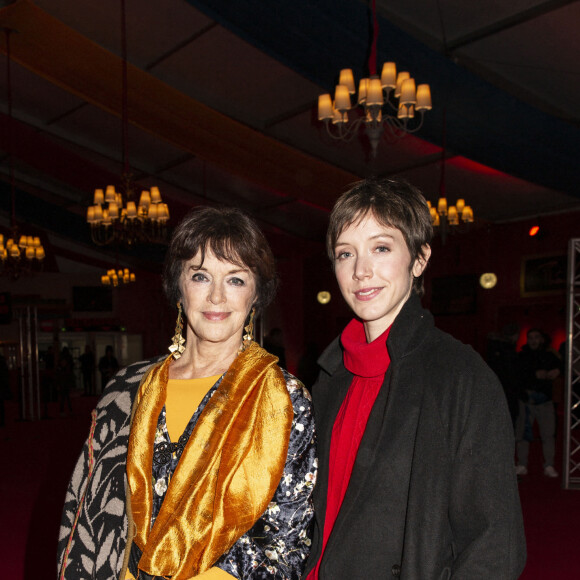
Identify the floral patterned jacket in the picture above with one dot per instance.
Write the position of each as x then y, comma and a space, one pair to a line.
94, 528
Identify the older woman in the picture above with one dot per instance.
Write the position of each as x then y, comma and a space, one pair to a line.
415, 440
200, 463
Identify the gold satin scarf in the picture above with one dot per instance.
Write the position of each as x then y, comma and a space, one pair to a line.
227, 473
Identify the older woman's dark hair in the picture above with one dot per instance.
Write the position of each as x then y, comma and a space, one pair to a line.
232, 236
393, 203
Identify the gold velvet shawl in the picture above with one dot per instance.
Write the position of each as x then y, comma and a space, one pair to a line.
227, 473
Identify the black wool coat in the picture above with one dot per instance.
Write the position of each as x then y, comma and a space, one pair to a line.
433, 492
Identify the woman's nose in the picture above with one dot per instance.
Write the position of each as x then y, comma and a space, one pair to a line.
216, 294
362, 268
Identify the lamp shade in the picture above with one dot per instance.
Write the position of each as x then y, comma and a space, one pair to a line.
442, 206
400, 78
341, 98
434, 217
346, 79
467, 214
99, 197
155, 195
423, 98
324, 107
374, 93
408, 93
113, 210
452, 216
110, 194
145, 199
389, 75
362, 91
131, 210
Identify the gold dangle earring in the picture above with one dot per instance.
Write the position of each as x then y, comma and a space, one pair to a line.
249, 331
178, 342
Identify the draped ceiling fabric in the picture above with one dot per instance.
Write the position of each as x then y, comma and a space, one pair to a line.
319, 37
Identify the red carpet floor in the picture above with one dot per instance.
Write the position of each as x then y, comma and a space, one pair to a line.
38, 457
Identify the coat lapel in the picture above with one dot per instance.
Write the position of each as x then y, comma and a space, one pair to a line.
387, 445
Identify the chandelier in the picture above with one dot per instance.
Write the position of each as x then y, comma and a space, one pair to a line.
115, 277
20, 257
115, 217
453, 215
390, 104
18, 254
446, 217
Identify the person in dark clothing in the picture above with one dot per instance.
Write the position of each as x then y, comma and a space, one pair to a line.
87, 360
108, 366
502, 358
538, 368
415, 442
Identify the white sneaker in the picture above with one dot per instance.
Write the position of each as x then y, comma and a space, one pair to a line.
550, 471
522, 470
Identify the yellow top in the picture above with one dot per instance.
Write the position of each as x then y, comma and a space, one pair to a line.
183, 398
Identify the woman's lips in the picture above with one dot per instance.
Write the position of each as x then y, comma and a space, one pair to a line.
216, 316
366, 294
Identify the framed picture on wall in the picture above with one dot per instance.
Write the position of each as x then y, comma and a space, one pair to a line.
543, 275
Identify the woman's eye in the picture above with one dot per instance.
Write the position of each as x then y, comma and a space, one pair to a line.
342, 255
381, 249
199, 277
237, 282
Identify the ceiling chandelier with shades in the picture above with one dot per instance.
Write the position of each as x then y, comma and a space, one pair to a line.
445, 217
116, 277
115, 217
124, 217
390, 104
19, 253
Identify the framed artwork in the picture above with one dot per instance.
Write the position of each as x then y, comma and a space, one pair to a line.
543, 275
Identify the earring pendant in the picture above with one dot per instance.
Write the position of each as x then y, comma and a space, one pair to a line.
177, 345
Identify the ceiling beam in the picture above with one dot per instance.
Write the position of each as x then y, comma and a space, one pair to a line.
501, 25
64, 57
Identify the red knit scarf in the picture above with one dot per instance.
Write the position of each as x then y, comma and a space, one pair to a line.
369, 363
